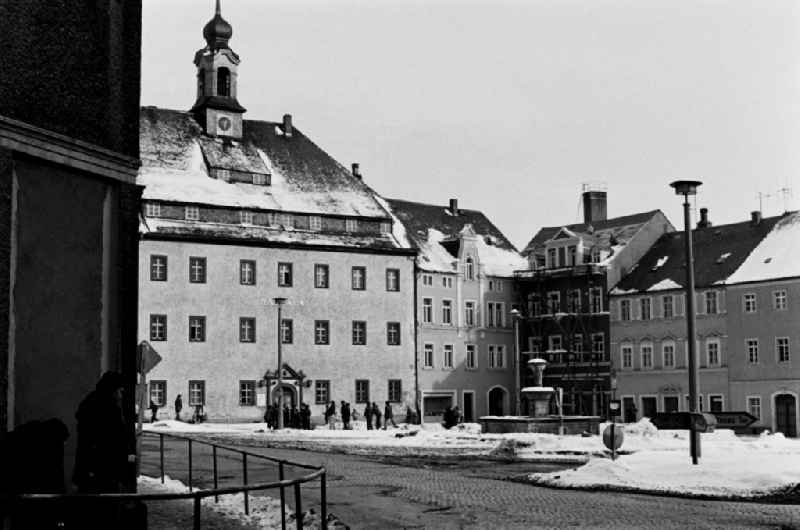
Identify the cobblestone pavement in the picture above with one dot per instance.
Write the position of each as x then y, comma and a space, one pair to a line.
366, 492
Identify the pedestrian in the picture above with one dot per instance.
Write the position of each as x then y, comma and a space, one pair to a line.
377, 413
287, 416
345, 415
295, 418
368, 416
178, 407
305, 417
330, 414
199, 415
410, 416
106, 448
153, 411
456, 415
388, 416
447, 418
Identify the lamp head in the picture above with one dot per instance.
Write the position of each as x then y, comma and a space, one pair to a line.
686, 187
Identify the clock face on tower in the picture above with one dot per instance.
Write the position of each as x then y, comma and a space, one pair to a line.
224, 123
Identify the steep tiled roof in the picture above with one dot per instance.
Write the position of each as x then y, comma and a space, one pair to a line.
433, 229
718, 252
620, 228
304, 178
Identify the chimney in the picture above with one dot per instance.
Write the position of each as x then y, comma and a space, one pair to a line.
703, 222
454, 206
287, 125
755, 217
356, 170
594, 205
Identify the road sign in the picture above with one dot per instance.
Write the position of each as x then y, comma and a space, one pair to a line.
702, 422
148, 357
614, 407
734, 420
613, 435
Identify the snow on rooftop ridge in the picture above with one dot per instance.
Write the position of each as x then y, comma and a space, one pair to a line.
664, 285
398, 228
617, 291
776, 256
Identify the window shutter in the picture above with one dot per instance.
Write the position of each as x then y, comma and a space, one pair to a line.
679, 303
657, 307
700, 303
613, 313
721, 308
635, 309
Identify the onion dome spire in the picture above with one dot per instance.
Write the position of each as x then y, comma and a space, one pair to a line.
217, 32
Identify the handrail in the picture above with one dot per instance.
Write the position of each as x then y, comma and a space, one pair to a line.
197, 495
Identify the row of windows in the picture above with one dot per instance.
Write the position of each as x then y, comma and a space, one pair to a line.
555, 344
447, 281
247, 273
495, 356
247, 392
782, 350
711, 351
780, 301
247, 330
314, 223
574, 303
709, 302
649, 405
568, 256
494, 316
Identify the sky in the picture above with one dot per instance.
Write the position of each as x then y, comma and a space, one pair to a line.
511, 106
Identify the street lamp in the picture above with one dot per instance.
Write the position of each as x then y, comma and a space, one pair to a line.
516, 315
686, 188
278, 301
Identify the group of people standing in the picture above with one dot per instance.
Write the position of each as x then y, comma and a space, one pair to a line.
371, 411
293, 418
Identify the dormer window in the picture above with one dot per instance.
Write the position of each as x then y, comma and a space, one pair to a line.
596, 255
315, 223
259, 179
351, 225
573, 255
551, 258
470, 269
386, 228
246, 217
192, 213
223, 82
153, 209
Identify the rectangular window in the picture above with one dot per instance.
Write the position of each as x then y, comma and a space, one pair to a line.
321, 276
259, 179
359, 332
501, 356
315, 223
469, 313
427, 310
535, 305
553, 302
158, 327
712, 352
395, 390
490, 315
711, 302
779, 300
492, 356
754, 406
447, 312
247, 272
427, 279
392, 279
287, 220
247, 393
393, 333
534, 344
551, 258
624, 309
572, 255
197, 270
499, 315
153, 209
197, 393
247, 329
577, 343
668, 354
322, 333
246, 217
667, 303
287, 330
447, 356
782, 349
644, 307
158, 268
752, 350
471, 362
598, 343
197, 329
427, 361
362, 391
386, 228
284, 274
597, 300
556, 344
192, 213
322, 391
574, 302
359, 278
647, 356
749, 303
158, 392
715, 403
627, 356
448, 282
351, 225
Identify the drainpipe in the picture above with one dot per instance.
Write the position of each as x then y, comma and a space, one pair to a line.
416, 347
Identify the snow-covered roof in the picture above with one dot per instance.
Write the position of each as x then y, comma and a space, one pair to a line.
176, 158
776, 256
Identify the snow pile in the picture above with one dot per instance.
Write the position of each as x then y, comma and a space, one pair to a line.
777, 256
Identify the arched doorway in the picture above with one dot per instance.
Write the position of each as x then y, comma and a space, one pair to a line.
289, 395
786, 414
497, 398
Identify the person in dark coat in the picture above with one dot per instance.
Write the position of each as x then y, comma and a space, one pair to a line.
305, 416
294, 422
447, 418
330, 413
106, 446
410, 415
377, 413
388, 416
153, 411
178, 407
368, 415
345, 415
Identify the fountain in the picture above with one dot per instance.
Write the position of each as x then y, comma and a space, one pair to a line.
540, 420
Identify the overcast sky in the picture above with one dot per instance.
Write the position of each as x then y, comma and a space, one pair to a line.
510, 106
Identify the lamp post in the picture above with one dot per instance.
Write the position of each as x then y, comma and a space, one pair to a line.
278, 301
687, 188
515, 314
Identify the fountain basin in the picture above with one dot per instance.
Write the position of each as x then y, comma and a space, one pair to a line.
551, 424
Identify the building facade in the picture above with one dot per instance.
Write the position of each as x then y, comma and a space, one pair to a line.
465, 294
564, 298
244, 220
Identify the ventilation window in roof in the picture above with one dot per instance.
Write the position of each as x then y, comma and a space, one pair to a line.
768, 260
723, 257
660, 263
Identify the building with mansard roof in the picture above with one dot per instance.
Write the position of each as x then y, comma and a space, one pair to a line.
241, 212
464, 286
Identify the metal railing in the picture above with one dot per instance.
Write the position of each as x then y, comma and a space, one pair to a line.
196, 495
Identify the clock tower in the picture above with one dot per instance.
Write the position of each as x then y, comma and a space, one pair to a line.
216, 108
